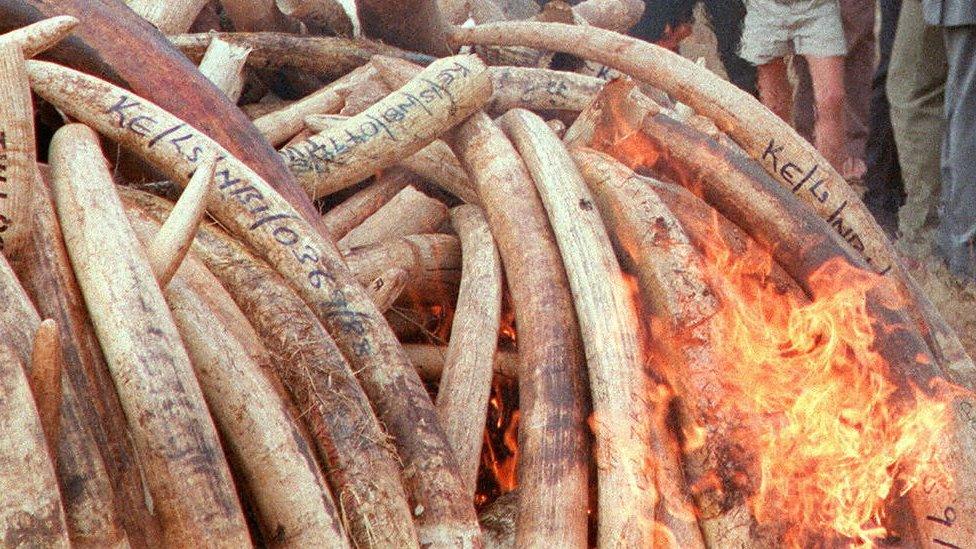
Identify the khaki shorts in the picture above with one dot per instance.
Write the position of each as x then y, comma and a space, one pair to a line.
777, 28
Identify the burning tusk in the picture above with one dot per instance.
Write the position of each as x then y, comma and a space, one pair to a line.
169, 246
620, 388
554, 453
35, 38
465, 384
792, 162
651, 240
125, 304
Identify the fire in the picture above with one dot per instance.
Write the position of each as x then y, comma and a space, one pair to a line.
500, 451
837, 436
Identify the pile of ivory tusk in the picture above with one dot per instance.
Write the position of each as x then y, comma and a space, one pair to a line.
230, 369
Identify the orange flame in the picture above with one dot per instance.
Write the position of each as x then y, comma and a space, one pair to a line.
500, 450
836, 435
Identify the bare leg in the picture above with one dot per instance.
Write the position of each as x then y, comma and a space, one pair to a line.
774, 88
827, 74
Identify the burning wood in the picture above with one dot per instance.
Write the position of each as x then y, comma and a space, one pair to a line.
552, 459
622, 394
746, 380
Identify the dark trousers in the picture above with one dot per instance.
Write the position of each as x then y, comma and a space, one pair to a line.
725, 18
885, 191
956, 234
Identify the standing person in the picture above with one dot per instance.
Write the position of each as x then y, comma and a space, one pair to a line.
956, 234
885, 190
916, 87
857, 17
775, 29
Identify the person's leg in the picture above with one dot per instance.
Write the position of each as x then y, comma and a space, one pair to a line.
765, 42
882, 179
830, 130
857, 18
915, 86
818, 36
859, 65
774, 87
956, 234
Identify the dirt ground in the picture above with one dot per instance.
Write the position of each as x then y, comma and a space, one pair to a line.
954, 299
